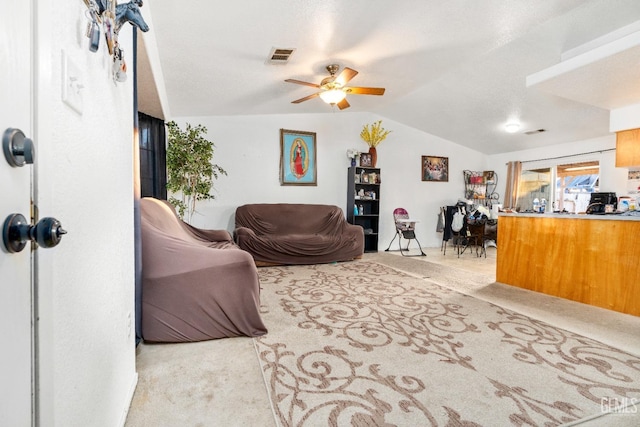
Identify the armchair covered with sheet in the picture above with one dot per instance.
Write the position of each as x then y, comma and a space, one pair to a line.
196, 284
283, 233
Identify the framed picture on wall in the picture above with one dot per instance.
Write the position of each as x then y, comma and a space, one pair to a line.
488, 177
365, 160
298, 165
435, 168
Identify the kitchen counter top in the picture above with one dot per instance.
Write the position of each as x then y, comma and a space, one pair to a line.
620, 216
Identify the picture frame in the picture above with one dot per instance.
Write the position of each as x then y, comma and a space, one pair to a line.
298, 161
435, 169
366, 160
489, 177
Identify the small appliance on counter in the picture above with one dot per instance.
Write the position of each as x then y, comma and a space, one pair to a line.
602, 203
627, 203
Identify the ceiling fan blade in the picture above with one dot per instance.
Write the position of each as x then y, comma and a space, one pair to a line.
343, 104
306, 98
365, 90
346, 75
300, 82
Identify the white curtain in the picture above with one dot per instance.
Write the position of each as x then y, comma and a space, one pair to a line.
514, 169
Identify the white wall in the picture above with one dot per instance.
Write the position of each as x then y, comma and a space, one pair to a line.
624, 118
601, 149
85, 180
248, 147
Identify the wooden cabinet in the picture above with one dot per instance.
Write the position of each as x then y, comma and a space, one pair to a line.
628, 148
363, 203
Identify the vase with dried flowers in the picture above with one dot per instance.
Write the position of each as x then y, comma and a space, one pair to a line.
373, 135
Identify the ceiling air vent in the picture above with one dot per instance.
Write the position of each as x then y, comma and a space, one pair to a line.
533, 132
279, 56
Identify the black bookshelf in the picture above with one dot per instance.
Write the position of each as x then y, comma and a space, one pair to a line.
363, 203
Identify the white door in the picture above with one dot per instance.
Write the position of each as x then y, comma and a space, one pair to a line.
15, 195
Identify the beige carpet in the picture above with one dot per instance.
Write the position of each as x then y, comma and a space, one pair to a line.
460, 360
363, 344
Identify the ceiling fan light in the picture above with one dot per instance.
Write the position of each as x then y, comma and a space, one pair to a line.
332, 96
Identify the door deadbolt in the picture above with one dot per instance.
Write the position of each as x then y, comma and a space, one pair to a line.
18, 149
16, 232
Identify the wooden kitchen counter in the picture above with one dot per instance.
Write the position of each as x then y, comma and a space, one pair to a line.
591, 259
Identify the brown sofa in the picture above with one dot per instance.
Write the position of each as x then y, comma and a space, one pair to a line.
297, 234
196, 284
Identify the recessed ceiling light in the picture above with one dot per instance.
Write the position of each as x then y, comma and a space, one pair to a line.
512, 127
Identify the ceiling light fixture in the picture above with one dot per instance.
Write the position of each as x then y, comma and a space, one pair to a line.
512, 127
333, 96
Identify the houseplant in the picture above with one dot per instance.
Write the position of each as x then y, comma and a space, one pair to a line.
373, 135
190, 169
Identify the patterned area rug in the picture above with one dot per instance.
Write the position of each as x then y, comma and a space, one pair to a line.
362, 344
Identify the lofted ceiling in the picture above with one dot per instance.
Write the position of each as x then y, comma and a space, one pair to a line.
456, 69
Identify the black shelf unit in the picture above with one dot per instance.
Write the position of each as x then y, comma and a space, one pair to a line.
364, 180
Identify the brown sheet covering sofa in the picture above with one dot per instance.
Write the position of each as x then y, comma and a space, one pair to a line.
285, 233
196, 284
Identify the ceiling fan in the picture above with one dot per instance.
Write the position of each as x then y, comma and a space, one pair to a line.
333, 89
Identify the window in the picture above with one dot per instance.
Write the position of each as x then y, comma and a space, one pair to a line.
153, 176
534, 184
574, 183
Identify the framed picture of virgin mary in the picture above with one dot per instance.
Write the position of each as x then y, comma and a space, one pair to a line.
297, 157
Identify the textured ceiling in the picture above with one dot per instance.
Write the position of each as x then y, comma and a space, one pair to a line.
456, 69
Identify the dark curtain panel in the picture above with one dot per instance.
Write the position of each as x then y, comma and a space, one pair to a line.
153, 160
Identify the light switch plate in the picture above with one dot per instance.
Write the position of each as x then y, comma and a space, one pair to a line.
72, 84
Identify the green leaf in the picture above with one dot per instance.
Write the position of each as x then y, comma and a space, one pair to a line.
189, 166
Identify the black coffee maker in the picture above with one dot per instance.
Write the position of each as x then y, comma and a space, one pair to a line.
599, 201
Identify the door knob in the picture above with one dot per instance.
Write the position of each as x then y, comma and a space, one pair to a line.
18, 149
16, 232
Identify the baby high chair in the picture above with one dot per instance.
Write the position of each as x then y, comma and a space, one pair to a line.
405, 227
